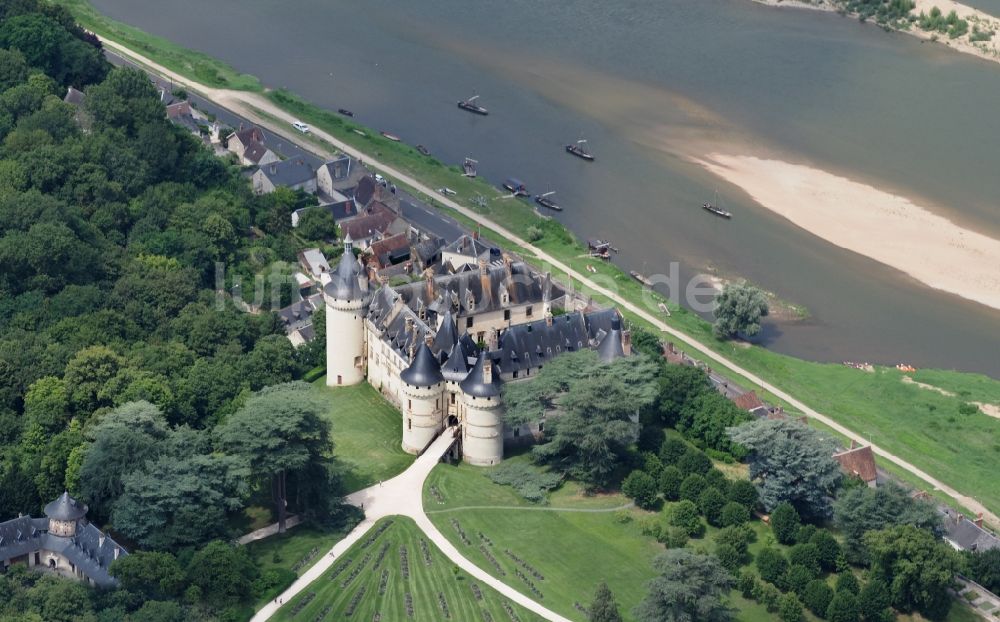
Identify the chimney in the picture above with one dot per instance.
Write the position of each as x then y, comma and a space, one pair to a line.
854, 444
627, 342
493, 339
117, 551
241, 126
409, 323
274, 168
413, 351
482, 267
548, 319
100, 540
488, 370
979, 520
429, 340
475, 235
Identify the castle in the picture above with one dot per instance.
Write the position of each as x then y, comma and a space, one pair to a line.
440, 348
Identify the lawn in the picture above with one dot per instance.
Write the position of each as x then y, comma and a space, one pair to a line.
921, 426
370, 579
367, 434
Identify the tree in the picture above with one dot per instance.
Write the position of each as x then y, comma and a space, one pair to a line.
847, 582
711, 502
86, 374
692, 487
152, 574
798, 577
874, 600
159, 611
688, 586
684, 514
223, 572
739, 537
918, 567
47, 403
679, 385
126, 99
738, 310
734, 513
694, 461
730, 558
670, 483
843, 607
603, 608
62, 601
672, 450
177, 501
272, 361
805, 554
641, 488
861, 509
984, 568
790, 462
772, 565
785, 522
827, 548
318, 224
742, 491
817, 597
790, 608
279, 431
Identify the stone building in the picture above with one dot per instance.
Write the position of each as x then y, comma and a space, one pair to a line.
440, 348
63, 542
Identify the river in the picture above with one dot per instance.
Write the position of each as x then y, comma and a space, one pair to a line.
646, 82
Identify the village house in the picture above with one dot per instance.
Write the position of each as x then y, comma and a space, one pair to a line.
256, 154
292, 173
859, 462
63, 542
339, 177
375, 222
468, 251
341, 209
238, 141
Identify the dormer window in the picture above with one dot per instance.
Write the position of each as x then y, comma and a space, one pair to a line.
504, 297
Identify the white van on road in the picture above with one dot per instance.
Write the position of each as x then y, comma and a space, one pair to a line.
300, 126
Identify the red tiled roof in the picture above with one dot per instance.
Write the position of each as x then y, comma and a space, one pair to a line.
376, 219
859, 462
748, 401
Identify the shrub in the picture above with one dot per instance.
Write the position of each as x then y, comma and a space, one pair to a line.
692, 487
694, 461
651, 464
734, 513
672, 450
828, 549
623, 516
729, 557
746, 583
743, 492
873, 602
785, 522
817, 597
670, 483
790, 608
847, 582
673, 537
738, 536
798, 577
272, 582
717, 479
651, 526
711, 502
768, 595
772, 566
534, 233
684, 514
529, 481
804, 533
843, 607
641, 488
805, 555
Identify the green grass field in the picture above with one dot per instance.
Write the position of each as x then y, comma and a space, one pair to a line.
920, 426
370, 579
367, 434
298, 549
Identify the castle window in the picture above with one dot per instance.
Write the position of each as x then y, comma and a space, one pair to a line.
517, 432
527, 311
506, 314
452, 398
436, 403
515, 373
409, 424
357, 361
409, 404
468, 322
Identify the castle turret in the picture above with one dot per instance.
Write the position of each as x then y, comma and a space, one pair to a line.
64, 513
423, 396
482, 442
345, 327
613, 344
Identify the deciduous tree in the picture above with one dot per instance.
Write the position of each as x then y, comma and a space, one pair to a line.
917, 566
861, 509
738, 310
688, 586
603, 608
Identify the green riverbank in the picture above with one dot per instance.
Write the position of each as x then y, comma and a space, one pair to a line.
930, 429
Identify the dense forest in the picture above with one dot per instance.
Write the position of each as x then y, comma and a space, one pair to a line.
125, 377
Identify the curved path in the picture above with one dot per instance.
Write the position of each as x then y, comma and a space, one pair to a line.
403, 496
528, 508
250, 105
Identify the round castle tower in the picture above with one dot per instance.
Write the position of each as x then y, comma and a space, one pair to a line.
483, 438
423, 396
345, 325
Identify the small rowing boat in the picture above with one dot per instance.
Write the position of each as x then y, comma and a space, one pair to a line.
345, 112
580, 150
638, 276
423, 150
470, 105
391, 137
546, 201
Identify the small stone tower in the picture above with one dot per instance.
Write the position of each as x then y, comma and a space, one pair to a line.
482, 439
423, 400
63, 515
345, 324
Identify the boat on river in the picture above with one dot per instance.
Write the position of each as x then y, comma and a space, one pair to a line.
516, 186
471, 106
579, 149
715, 209
423, 150
345, 112
545, 200
638, 276
391, 137
469, 167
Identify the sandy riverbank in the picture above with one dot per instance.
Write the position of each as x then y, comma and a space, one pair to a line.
885, 227
988, 50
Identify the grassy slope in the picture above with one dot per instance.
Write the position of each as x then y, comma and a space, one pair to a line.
961, 453
424, 584
292, 547
367, 434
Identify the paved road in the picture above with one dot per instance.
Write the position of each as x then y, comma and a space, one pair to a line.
403, 496
249, 105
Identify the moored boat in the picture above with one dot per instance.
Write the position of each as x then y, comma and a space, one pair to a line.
423, 150
345, 112
471, 106
579, 149
516, 186
391, 137
545, 200
469, 167
638, 276
715, 209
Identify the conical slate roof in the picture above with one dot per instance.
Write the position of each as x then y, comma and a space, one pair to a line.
344, 282
447, 333
65, 508
424, 370
456, 368
476, 385
610, 347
